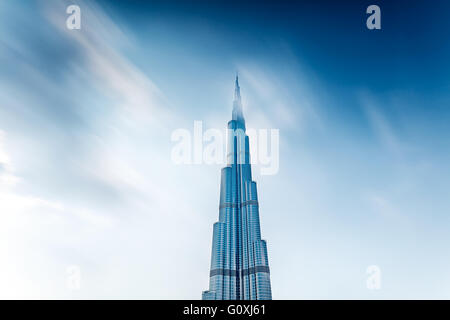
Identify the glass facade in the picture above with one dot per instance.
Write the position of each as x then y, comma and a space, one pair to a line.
239, 262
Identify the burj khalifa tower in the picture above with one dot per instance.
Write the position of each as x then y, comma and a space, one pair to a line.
239, 261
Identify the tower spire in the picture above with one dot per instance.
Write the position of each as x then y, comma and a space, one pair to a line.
237, 104
237, 89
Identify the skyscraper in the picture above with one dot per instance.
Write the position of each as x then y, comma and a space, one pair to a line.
239, 262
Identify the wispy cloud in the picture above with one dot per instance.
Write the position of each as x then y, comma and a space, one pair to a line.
272, 101
381, 126
111, 138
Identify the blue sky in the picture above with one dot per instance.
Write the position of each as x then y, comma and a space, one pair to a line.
86, 116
